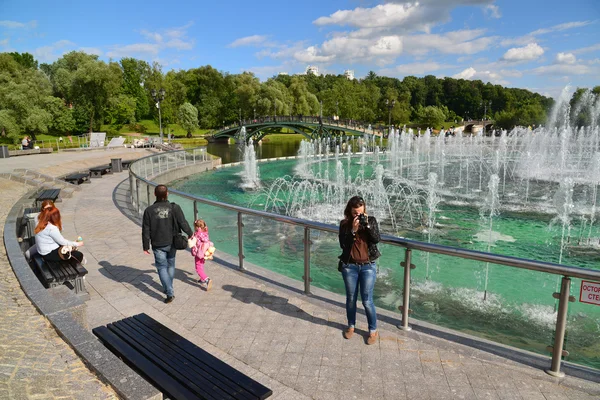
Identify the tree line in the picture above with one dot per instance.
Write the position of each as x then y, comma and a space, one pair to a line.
80, 93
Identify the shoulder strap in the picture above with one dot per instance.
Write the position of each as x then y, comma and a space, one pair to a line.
176, 228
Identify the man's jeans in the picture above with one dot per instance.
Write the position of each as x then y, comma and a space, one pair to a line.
360, 277
164, 259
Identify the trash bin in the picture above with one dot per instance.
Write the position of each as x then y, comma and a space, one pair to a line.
4, 152
116, 165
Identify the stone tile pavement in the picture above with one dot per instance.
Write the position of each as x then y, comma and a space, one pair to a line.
289, 342
35, 363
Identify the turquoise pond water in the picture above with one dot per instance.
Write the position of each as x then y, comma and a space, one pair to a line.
448, 291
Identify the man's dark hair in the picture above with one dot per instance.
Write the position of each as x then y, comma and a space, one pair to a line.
161, 192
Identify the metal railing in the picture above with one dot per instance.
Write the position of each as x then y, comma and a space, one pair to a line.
180, 159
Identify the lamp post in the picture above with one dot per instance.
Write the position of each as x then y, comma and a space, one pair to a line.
254, 109
240, 117
158, 98
390, 106
485, 105
337, 110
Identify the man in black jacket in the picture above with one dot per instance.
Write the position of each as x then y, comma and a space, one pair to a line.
158, 230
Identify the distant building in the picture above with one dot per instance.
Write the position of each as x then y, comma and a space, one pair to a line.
312, 70
349, 74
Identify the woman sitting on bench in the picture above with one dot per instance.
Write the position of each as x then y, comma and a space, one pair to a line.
49, 239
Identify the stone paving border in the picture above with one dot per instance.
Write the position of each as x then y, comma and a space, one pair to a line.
67, 314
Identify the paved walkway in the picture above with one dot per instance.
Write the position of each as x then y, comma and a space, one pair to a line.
289, 342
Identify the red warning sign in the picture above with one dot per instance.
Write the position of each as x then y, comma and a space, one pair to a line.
590, 292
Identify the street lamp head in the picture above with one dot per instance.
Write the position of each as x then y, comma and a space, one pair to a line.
162, 93
393, 103
387, 102
153, 93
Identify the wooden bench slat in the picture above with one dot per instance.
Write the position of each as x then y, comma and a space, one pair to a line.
197, 383
152, 372
249, 384
222, 387
43, 269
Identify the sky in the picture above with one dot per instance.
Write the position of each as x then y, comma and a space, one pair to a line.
543, 45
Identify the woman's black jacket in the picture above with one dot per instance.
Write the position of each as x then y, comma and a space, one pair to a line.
347, 239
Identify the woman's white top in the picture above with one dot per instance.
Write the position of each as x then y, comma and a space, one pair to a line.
50, 239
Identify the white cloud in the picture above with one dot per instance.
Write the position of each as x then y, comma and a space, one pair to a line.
154, 36
169, 38
383, 15
311, 55
179, 44
91, 50
254, 40
18, 25
565, 58
589, 49
413, 69
493, 11
483, 75
563, 69
518, 41
465, 74
4, 42
50, 53
148, 49
561, 27
456, 42
530, 52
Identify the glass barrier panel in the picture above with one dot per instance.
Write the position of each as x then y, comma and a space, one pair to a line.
582, 337
517, 309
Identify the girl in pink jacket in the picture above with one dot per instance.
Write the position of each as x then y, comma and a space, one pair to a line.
199, 250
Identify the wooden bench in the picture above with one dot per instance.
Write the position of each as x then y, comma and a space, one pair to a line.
78, 178
97, 172
48, 194
56, 273
176, 366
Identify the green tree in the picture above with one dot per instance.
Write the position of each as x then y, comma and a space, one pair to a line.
431, 116
188, 118
134, 75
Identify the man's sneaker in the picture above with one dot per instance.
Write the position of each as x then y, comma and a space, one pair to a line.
208, 284
372, 339
169, 299
348, 332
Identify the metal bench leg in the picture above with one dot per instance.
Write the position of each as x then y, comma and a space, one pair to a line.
79, 285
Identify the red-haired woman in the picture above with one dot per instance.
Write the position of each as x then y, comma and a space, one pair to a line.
48, 238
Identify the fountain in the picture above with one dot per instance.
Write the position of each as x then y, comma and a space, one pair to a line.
536, 180
250, 176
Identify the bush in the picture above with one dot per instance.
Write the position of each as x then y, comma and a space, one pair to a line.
136, 127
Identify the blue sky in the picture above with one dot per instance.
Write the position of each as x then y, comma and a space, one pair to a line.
539, 45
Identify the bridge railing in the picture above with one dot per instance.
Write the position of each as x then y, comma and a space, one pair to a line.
365, 127
142, 171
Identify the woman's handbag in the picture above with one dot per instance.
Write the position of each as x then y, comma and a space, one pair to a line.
64, 252
180, 242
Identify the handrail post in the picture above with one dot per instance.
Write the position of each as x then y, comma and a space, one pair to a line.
306, 276
148, 194
241, 241
137, 195
406, 296
195, 211
561, 325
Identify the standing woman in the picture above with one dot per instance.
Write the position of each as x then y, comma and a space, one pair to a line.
359, 235
48, 238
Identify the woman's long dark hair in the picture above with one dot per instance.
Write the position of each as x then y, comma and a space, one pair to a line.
354, 202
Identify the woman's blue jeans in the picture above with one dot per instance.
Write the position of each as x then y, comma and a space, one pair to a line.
360, 277
164, 259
